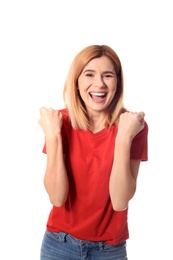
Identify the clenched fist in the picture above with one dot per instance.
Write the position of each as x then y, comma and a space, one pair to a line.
50, 121
130, 124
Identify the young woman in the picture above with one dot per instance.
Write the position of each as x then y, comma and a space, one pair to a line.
94, 147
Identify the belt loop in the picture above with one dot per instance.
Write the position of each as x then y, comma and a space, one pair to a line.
101, 246
64, 236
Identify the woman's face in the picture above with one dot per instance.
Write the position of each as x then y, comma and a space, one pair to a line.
97, 84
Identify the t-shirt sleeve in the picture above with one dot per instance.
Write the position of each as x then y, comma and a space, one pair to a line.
139, 147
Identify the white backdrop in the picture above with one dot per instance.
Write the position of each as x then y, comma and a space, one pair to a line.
38, 40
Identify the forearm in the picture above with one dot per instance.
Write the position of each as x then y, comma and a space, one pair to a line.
55, 179
122, 184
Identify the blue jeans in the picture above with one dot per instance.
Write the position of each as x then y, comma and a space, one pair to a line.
62, 246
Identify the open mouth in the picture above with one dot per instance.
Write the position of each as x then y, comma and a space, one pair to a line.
100, 95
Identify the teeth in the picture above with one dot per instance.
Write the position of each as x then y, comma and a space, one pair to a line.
98, 94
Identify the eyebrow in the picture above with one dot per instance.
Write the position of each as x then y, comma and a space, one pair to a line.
108, 71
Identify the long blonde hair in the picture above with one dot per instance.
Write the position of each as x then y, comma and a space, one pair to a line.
76, 108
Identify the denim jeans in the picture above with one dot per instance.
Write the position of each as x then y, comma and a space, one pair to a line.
62, 246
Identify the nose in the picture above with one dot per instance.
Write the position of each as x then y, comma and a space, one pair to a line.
98, 81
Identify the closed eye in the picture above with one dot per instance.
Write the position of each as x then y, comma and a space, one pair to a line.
108, 75
89, 75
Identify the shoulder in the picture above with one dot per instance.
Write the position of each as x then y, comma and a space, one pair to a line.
64, 112
145, 126
66, 125
65, 115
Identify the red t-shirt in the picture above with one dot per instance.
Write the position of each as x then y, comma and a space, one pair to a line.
88, 213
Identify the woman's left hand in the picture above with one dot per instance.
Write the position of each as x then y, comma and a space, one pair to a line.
130, 124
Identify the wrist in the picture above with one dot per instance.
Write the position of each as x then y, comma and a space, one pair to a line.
53, 138
123, 140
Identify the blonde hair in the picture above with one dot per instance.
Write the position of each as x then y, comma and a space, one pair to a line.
76, 107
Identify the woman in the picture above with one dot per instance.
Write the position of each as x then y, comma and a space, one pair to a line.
94, 147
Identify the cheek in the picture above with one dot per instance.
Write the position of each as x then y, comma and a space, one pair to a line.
82, 88
114, 86
82, 93
114, 89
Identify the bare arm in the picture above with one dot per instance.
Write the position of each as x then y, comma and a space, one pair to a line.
55, 178
125, 171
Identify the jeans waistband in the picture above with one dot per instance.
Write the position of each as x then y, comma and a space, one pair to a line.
82, 243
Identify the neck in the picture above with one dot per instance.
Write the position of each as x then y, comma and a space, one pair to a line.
97, 123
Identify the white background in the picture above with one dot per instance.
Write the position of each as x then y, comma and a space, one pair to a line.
38, 40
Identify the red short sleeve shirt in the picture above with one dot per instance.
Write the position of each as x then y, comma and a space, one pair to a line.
88, 213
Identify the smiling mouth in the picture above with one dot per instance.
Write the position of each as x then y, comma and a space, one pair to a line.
98, 95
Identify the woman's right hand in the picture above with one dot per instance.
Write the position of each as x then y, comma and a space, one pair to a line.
50, 121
